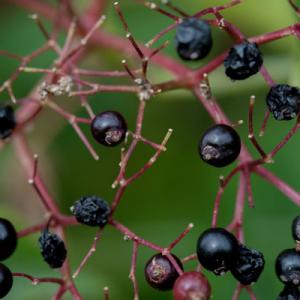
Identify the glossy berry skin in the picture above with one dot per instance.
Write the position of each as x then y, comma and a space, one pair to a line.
8, 239
243, 61
160, 272
109, 128
7, 121
288, 267
193, 39
6, 280
283, 101
53, 249
217, 250
289, 293
296, 229
192, 286
220, 145
248, 265
91, 211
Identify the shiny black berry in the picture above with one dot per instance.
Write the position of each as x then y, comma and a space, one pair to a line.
220, 145
109, 128
8, 239
248, 265
193, 39
192, 286
160, 272
289, 293
53, 249
288, 267
6, 280
7, 121
296, 229
217, 250
243, 61
91, 210
283, 101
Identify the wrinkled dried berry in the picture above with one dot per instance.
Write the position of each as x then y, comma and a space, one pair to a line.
8, 239
296, 229
248, 265
109, 128
7, 121
217, 250
289, 293
52, 249
243, 61
283, 101
91, 210
193, 39
160, 272
6, 280
288, 267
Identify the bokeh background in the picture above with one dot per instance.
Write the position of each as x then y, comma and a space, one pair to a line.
180, 188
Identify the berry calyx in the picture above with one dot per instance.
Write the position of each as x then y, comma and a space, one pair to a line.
91, 211
248, 265
243, 61
220, 145
192, 286
193, 39
53, 249
6, 280
8, 239
160, 272
283, 101
296, 229
289, 293
288, 267
217, 250
7, 121
109, 128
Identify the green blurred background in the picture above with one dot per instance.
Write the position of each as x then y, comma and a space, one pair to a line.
180, 188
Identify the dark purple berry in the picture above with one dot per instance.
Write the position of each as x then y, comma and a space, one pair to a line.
217, 250
160, 272
6, 280
283, 101
53, 249
7, 121
192, 286
296, 229
248, 265
91, 211
220, 145
109, 128
193, 39
288, 267
8, 239
289, 293
243, 61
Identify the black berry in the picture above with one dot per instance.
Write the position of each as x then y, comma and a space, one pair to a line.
296, 229
283, 101
288, 267
289, 293
248, 265
220, 145
91, 210
8, 239
109, 128
193, 39
192, 286
160, 272
7, 121
53, 249
217, 250
6, 280
243, 61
